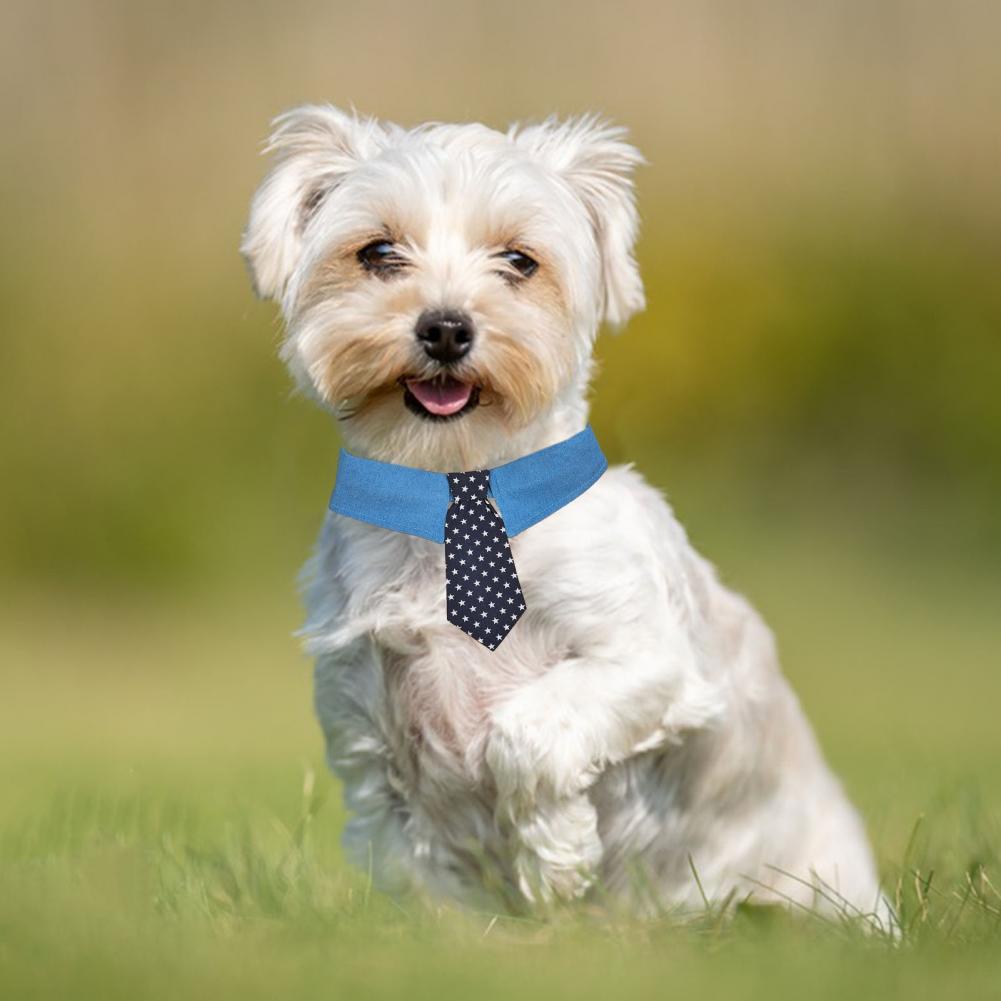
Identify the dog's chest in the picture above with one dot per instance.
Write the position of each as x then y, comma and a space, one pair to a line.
440, 685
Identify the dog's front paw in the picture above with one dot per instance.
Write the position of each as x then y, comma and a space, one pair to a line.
559, 852
538, 750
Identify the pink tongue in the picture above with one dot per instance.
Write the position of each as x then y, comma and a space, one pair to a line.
442, 397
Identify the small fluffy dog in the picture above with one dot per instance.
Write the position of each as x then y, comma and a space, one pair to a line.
635, 726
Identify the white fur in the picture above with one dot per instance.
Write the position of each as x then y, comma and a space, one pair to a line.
635, 722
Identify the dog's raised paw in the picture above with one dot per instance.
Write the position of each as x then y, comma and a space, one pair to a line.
538, 751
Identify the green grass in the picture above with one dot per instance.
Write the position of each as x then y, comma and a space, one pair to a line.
167, 828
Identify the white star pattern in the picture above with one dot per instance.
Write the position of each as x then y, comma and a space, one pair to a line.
487, 532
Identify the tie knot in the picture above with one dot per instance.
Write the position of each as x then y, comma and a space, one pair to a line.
470, 486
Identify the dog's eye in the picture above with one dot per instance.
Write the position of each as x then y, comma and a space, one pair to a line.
523, 265
382, 257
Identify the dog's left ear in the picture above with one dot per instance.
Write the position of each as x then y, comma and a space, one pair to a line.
313, 147
591, 154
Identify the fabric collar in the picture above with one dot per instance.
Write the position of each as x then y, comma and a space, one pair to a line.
414, 501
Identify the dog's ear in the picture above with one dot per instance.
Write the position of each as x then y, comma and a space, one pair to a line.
313, 147
596, 161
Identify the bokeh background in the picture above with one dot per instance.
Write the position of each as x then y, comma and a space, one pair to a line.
816, 384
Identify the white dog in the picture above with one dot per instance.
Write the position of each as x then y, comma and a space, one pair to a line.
634, 728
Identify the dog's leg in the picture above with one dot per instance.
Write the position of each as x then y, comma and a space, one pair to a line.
553, 737
350, 704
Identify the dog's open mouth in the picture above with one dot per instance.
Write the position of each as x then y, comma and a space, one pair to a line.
441, 398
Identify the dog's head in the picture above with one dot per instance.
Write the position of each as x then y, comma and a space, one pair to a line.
442, 286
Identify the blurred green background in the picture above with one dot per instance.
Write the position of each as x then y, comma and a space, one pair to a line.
815, 384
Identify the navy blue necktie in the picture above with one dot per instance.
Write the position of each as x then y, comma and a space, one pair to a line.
482, 591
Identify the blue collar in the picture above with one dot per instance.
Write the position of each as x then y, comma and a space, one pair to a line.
414, 501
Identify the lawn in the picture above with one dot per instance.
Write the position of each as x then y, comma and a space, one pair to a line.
167, 828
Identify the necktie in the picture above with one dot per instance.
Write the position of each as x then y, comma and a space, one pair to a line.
482, 591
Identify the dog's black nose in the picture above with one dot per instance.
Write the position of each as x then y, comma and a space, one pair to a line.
446, 334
